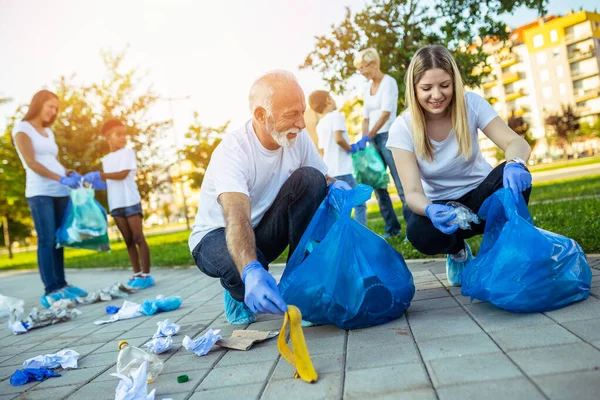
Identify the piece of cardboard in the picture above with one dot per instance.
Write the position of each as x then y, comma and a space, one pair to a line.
244, 339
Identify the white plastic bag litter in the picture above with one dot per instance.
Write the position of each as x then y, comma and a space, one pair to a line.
65, 359
7, 304
134, 386
159, 345
128, 310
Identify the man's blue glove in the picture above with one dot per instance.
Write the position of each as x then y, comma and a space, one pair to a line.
339, 185
440, 215
95, 179
73, 181
516, 178
353, 148
262, 295
362, 143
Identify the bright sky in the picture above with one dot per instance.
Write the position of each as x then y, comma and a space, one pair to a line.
209, 50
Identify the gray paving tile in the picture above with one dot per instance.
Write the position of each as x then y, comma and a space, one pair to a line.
167, 384
244, 374
259, 354
104, 390
557, 359
581, 385
324, 364
513, 389
457, 346
441, 323
492, 318
98, 360
481, 367
241, 392
6, 388
327, 387
382, 356
533, 336
432, 304
45, 394
587, 309
587, 329
430, 294
365, 383
16, 349
72, 377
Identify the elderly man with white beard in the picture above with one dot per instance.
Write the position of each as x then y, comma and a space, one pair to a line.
262, 187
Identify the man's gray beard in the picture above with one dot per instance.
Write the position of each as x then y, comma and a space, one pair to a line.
281, 137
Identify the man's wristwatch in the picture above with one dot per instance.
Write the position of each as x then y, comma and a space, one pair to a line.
518, 161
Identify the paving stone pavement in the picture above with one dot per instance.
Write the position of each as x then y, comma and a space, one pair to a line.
444, 347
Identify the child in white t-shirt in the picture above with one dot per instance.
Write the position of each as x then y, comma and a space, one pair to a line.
119, 169
333, 139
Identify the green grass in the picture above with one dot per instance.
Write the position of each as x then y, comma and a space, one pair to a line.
577, 219
564, 164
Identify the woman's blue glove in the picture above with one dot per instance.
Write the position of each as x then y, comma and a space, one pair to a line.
73, 181
440, 215
362, 143
262, 295
95, 179
339, 185
516, 178
353, 148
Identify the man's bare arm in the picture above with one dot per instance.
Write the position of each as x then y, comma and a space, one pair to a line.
238, 228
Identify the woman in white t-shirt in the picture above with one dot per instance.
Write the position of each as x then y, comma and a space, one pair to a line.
435, 145
124, 202
47, 185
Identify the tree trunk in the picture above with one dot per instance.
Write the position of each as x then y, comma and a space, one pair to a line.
7, 242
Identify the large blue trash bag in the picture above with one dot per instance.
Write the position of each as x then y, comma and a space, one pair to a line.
84, 225
521, 268
343, 274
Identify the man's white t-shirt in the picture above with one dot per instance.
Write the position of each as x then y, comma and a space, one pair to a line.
45, 152
121, 193
448, 176
386, 99
241, 164
338, 161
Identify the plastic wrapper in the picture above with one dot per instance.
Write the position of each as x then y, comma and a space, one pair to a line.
166, 328
159, 345
38, 319
369, 168
160, 304
203, 344
65, 359
464, 216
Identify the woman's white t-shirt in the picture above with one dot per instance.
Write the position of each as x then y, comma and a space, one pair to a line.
449, 176
45, 152
386, 99
337, 159
121, 193
241, 164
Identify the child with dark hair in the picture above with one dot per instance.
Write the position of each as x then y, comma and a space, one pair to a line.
119, 169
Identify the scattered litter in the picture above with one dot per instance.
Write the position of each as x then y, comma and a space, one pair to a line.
134, 386
21, 377
244, 339
182, 378
130, 358
166, 328
299, 356
117, 291
128, 310
202, 345
464, 215
159, 345
37, 319
62, 303
151, 307
65, 359
112, 309
7, 304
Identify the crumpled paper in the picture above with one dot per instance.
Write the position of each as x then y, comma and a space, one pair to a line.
134, 386
166, 328
37, 319
128, 310
203, 344
117, 291
21, 377
159, 345
65, 359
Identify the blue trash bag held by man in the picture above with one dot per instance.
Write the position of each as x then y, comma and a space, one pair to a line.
521, 268
342, 273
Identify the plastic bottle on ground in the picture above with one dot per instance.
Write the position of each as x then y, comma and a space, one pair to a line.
131, 358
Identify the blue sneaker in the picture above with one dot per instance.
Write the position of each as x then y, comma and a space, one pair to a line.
142, 282
455, 268
71, 292
236, 312
47, 299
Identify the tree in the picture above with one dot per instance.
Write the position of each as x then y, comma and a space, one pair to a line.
397, 28
564, 126
590, 130
521, 127
200, 142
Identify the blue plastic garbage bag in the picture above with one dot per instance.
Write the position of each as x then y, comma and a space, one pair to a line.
342, 273
521, 268
84, 225
22, 376
151, 307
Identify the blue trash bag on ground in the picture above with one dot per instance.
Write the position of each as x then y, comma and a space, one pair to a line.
521, 268
160, 304
342, 273
370, 169
84, 225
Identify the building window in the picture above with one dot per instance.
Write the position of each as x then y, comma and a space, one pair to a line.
541, 58
556, 52
560, 71
544, 75
563, 89
547, 92
538, 41
553, 35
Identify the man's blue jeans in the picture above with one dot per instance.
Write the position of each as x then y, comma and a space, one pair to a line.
360, 211
392, 225
282, 225
47, 213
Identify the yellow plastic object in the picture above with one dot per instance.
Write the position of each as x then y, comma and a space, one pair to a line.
123, 343
299, 357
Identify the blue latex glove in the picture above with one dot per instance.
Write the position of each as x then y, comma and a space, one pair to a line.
94, 178
440, 215
353, 148
339, 185
516, 178
73, 181
362, 143
262, 295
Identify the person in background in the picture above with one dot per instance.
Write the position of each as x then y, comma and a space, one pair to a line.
380, 110
118, 177
333, 139
435, 145
47, 186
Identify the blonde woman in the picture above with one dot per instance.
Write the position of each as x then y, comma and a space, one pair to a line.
435, 146
380, 110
